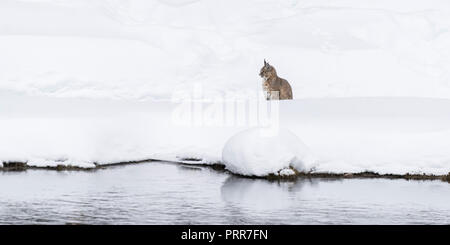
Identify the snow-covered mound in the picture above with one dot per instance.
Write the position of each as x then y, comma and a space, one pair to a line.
383, 135
260, 152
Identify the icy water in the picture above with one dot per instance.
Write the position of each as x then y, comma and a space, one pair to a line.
163, 193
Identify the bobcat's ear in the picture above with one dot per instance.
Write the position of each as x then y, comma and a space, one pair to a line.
265, 63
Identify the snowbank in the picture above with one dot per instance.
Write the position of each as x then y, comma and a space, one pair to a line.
259, 152
85, 82
384, 135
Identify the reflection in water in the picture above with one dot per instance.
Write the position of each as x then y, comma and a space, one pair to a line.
162, 193
259, 194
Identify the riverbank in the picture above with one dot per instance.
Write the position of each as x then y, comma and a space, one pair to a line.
22, 166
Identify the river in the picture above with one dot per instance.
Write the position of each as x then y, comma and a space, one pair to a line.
166, 193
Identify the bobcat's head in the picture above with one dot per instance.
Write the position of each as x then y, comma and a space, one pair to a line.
267, 71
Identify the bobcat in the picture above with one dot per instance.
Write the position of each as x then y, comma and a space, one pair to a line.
274, 86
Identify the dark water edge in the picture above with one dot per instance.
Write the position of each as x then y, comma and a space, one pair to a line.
22, 166
163, 193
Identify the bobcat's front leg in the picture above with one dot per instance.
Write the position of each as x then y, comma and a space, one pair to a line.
266, 90
268, 96
273, 95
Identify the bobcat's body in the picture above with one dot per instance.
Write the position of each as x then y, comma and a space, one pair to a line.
275, 87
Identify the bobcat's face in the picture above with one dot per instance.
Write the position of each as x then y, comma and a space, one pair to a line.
267, 71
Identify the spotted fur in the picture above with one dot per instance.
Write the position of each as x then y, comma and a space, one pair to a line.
275, 87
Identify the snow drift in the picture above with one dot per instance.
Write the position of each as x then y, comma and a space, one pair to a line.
91, 81
259, 152
384, 135
145, 49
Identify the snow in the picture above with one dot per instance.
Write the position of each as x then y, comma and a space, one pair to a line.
144, 50
286, 172
84, 82
257, 152
384, 135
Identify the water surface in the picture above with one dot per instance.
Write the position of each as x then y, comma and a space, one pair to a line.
163, 193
